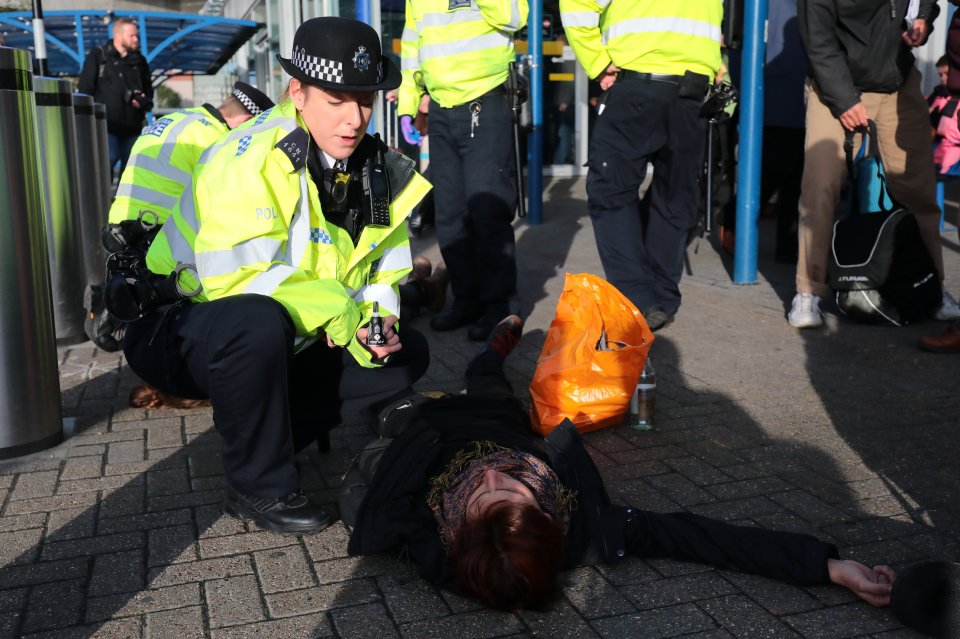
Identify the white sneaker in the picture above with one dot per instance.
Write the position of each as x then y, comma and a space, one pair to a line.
949, 310
805, 311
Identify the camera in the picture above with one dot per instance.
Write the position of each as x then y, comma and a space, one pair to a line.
720, 97
146, 104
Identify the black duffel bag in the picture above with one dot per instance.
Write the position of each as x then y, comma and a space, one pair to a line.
880, 268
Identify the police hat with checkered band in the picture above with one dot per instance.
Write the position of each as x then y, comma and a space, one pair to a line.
340, 55
253, 100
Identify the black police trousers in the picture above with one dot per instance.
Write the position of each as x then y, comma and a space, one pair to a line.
267, 402
475, 196
641, 244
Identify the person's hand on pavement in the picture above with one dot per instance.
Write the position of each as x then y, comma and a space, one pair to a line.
873, 585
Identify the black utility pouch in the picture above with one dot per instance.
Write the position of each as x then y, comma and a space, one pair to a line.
693, 85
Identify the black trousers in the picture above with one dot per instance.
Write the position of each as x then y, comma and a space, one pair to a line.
267, 402
641, 244
475, 196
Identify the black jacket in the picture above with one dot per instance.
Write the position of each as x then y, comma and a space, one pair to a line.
112, 79
856, 46
383, 497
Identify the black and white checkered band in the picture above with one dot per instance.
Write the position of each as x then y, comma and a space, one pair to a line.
247, 102
318, 68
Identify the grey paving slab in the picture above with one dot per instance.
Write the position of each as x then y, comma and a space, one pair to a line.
848, 433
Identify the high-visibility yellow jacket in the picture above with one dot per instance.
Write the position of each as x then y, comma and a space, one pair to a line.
456, 54
649, 36
162, 162
259, 229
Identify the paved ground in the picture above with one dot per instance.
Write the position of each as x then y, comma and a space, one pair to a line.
848, 432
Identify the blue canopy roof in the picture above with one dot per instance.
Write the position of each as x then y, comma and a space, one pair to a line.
173, 43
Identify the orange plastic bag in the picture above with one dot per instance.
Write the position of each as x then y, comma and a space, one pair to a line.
576, 381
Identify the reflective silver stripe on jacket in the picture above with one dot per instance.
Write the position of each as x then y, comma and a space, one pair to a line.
226, 261
467, 45
395, 259
180, 249
267, 282
382, 293
580, 19
685, 26
161, 167
146, 194
445, 19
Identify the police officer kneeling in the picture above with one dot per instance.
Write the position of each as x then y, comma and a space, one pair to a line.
301, 228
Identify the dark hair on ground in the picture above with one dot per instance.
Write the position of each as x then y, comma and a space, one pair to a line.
509, 556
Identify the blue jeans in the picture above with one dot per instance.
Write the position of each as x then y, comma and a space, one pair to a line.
120, 147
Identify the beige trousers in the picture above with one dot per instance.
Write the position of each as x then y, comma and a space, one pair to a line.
903, 137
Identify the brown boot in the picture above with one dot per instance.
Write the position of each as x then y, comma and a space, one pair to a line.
146, 396
421, 269
438, 283
948, 342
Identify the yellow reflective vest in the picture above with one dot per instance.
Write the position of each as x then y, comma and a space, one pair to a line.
456, 54
162, 162
648, 36
254, 226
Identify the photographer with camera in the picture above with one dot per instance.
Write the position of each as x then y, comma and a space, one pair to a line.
117, 75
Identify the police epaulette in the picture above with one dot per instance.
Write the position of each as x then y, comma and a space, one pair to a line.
294, 146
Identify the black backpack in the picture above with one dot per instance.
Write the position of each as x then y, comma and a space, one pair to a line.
880, 268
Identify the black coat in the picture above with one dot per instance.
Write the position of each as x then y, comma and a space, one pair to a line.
112, 79
856, 46
383, 497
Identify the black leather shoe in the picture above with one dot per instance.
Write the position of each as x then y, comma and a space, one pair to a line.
480, 330
293, 514
455, 317
657, 318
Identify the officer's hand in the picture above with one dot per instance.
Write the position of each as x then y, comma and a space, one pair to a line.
855, 117
391, 95
608, 77
393, 339
410, 133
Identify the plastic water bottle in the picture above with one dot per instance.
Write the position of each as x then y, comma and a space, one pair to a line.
644, 398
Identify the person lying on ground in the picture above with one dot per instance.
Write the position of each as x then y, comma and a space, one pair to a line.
486, 507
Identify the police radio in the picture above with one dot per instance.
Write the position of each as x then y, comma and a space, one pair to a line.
376, 189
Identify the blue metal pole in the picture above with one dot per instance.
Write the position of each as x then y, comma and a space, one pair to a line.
535, 137
363, 11
751, 140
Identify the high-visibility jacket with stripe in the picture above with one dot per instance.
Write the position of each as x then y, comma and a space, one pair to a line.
456, 54
162, 162
648, 36
254, 225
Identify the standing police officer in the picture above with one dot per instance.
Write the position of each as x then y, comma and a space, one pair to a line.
456, 54
300, 222
656, 60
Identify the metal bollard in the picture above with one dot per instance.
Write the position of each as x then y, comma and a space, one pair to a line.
29, 381
104, 170
58, 164
88, 185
